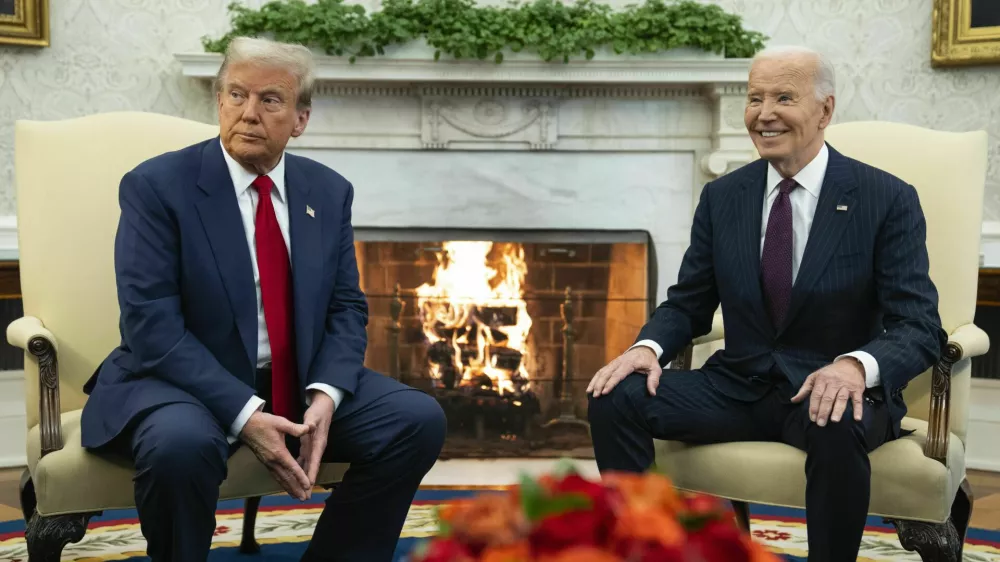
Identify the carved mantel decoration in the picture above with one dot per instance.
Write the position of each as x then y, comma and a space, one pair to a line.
682, 101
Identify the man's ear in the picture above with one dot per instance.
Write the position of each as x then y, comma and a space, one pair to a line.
302, 119
828, 105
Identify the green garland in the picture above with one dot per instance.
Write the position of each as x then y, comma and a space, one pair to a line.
464, 30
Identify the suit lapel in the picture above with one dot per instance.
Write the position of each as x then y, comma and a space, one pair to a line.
305, 220
833, 213
220, 215
749, 208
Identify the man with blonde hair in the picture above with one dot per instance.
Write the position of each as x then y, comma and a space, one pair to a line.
820, 265
243, 323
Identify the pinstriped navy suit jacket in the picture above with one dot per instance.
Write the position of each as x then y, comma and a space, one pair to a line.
863, 284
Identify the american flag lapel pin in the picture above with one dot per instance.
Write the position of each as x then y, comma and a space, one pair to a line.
310, 211
841, 207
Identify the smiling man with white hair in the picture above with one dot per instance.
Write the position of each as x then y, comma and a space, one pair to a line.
820, 264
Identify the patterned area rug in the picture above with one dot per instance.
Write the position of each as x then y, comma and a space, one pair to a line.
285, 525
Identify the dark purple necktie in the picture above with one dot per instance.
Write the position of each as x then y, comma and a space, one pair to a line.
776, 259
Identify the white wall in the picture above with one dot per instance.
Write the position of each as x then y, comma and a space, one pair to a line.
118, 54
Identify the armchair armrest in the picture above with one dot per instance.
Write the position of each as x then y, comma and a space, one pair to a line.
716, 333
29, 334
683, 360
966, 341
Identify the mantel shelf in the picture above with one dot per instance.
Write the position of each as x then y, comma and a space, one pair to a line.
664, 71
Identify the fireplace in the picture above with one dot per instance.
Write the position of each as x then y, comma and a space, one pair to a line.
504, 328
605, 158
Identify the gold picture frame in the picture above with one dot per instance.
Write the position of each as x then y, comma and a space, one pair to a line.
24, 22
965, 32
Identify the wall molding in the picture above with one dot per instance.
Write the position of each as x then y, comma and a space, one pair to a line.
8, 234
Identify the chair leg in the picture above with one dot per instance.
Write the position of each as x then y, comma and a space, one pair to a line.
939, 542
47, 536
742, 515
248, 544
27, 495
961, 512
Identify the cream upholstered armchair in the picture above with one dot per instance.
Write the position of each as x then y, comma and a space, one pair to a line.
67, 209
918, 481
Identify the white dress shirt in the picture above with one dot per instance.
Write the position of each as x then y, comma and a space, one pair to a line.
247, 198
803, 200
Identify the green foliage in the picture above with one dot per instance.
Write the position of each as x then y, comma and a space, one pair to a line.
538, 505
464, 30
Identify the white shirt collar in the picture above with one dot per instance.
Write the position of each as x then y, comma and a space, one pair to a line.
810, 178
242, 178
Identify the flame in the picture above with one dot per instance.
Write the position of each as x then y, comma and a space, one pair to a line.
464, 290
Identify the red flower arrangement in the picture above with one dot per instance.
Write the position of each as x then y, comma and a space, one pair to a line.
567, 518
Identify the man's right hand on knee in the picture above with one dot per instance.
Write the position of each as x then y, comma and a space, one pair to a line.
638, 359
265, 435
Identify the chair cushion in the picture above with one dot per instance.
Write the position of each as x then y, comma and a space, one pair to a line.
905, 483
73, 480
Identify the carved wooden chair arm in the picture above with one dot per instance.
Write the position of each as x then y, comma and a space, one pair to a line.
29, 334
966, 341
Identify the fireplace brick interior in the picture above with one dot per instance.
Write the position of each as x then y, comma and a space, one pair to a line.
609, 291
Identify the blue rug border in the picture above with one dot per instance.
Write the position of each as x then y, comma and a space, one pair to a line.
445, 494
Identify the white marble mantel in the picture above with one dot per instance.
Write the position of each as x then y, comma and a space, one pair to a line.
615, 143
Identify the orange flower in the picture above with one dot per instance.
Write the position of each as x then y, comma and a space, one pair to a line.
643, 524
582, 554
486, 520
646, 490
516, 552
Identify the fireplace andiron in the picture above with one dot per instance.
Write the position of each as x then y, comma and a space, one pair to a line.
566, 414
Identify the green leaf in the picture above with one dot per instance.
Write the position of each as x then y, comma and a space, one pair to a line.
464, 29
498, 58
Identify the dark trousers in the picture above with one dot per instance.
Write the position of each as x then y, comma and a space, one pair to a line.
688, 408
390, 434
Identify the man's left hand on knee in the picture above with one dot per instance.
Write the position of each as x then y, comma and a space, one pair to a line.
830, 388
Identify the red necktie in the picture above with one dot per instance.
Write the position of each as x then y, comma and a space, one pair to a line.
276, 294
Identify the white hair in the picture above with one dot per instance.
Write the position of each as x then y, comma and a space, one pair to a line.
296, 59
824, 78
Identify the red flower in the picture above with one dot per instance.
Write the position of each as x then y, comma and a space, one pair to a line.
220, 530
445, 550
577, 526
721, 540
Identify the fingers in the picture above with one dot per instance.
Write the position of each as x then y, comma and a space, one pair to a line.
815, 398
859, 404
293, 429
653, 380
291, 477
840, 404
314, 458
304, 450
621, 371
805, 390
599, 377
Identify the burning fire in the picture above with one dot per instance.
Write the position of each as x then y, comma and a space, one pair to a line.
475, 316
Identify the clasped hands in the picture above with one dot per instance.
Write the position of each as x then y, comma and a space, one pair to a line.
265, 435
828, 389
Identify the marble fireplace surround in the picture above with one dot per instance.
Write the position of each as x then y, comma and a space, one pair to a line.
615, 143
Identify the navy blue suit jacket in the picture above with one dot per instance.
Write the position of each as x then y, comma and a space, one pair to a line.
863, 284
186, 291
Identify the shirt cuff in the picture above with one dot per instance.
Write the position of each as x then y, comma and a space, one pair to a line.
870, 365
335, 393
651, 345
255, 404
